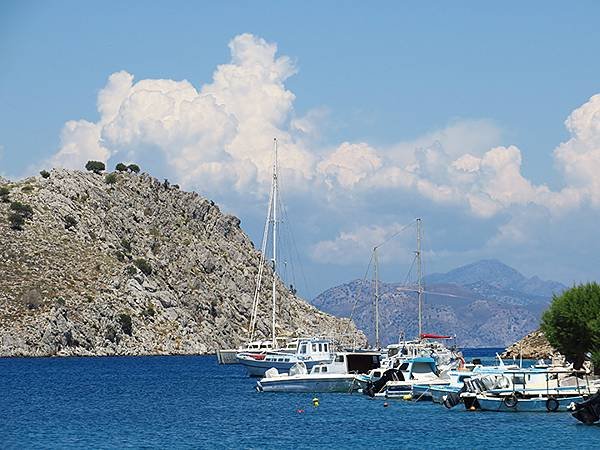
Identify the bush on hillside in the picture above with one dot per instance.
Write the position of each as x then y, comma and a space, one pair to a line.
110, 178
572, 323
126, 245
121, 167
144, 266
45, 174
4, 193
126, 324
16, 221
70, 222
95, 166
21, 208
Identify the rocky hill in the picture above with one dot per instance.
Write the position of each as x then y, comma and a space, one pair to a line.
485, 304
533, 346
124, 264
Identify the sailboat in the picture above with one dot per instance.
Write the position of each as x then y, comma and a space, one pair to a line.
310, 351
418, 361
256, 349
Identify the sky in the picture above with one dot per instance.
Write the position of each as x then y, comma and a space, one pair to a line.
482, 119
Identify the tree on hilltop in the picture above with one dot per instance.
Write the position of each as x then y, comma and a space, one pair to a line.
95, 166
572, 323
134, 168
121, 167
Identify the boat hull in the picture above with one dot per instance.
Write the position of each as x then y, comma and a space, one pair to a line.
538, 404
257, 368
439, 392
227, 356
344, 383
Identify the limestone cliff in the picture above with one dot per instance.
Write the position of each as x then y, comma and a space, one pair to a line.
130, 265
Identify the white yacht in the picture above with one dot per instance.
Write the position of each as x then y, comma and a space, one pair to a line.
310, 351
340, 375
228, 356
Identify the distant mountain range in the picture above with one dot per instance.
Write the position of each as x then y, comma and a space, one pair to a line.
485, 304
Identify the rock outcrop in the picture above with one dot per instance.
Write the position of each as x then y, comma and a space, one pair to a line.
533, 346
131, 266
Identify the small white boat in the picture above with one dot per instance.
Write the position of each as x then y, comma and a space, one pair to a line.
338, 376
228, 356
311, 352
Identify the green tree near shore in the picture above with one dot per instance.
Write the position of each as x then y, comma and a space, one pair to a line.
572, 323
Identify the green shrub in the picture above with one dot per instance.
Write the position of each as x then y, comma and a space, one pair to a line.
134, 168
95, 166
21, 208
131, 270
70, 222
45, 174
110, 178
4, 193
16, 221
126, 324
121, 167
144, 266
27, 188
126, 245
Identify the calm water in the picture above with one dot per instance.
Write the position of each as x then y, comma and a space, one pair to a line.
191, 402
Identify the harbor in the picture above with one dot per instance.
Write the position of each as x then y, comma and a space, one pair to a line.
184, 401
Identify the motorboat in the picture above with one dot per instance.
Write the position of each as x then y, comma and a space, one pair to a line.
340, 375
531, 390
310, 351
398, 382
588, 411
457, 377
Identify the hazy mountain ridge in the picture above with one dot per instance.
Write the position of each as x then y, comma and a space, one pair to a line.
131, 265
486, 303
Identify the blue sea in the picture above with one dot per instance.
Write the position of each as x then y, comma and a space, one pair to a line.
191, 402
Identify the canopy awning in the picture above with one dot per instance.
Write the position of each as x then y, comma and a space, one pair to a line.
434, 336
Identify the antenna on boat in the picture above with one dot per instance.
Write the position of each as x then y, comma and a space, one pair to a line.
274, 237
376, 274
419, 278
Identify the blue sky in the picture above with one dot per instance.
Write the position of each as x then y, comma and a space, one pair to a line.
398, 77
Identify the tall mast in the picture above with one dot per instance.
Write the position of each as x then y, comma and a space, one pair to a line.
419, 278
274, 240
376, 260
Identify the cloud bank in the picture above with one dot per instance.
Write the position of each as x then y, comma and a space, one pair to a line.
218, 138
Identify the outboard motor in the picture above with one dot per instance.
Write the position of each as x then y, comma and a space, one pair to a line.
588, 412
373, 388
451, 400
469, 392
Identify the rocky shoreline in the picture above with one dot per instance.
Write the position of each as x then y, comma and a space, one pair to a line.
533, 346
